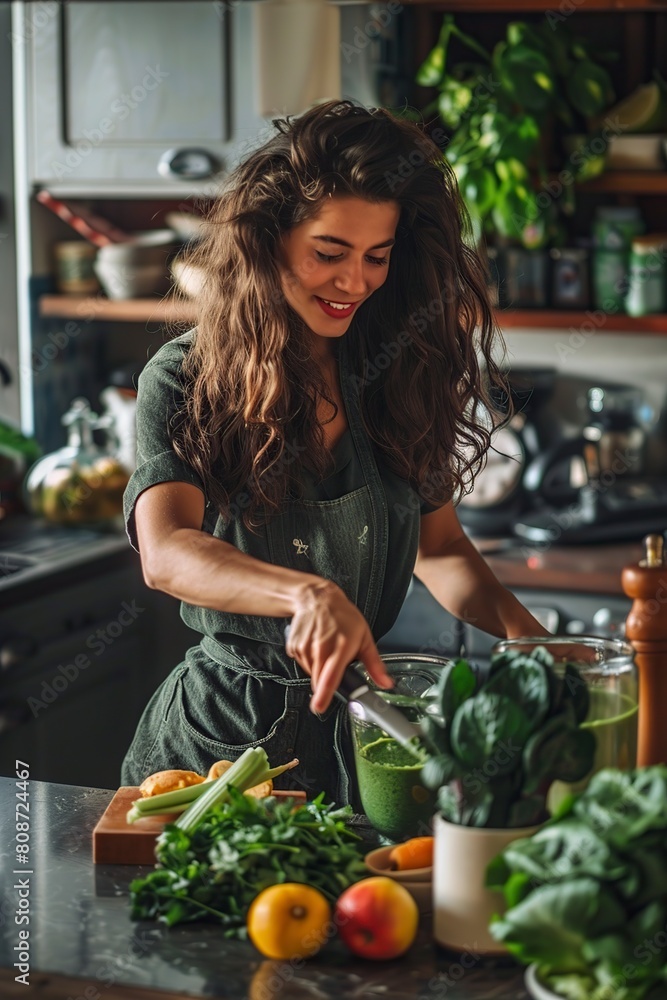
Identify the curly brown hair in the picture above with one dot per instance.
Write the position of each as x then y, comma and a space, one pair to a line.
250, 394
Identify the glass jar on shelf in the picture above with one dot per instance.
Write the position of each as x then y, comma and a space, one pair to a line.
82, 483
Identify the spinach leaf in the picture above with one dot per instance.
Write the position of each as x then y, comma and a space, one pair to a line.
587, 894
484, 722
624, 804
456, 684
564, 850
575, 692
557, 752
520, 722
523, 680
553, 923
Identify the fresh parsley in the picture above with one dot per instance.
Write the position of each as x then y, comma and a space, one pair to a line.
240, 848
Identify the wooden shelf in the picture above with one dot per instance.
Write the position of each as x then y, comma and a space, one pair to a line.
522, 6
563, 319
97, 307
90, 308
628, 181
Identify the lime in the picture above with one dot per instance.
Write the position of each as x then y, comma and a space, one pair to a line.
644, 110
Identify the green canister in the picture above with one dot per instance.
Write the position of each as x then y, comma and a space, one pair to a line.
614, 228
647, 290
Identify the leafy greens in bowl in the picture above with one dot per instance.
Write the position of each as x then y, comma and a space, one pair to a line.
587, 894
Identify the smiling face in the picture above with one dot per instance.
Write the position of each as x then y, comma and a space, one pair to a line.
336, 260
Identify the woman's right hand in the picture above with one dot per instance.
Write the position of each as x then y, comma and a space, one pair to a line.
326, 634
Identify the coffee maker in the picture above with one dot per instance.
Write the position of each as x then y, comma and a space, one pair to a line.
593, 486
571, 466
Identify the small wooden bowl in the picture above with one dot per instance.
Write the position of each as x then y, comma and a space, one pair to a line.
378, 862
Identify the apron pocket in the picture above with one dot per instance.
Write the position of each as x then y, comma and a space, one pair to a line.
222, 730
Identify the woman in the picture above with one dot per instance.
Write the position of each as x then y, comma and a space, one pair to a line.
301, 449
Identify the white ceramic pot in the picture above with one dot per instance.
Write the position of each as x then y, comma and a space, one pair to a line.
462, 905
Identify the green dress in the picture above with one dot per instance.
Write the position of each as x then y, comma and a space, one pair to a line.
237, 687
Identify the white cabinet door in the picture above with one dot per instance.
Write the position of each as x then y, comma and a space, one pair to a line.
158, 96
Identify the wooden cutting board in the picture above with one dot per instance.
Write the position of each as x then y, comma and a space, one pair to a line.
117, 842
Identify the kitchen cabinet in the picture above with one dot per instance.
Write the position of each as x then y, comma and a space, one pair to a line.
144, 95
82, 648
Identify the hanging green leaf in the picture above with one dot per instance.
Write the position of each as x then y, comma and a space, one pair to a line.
431, 71
453, 102
520, 33
589, 88
527, 76
479, 190
520, 139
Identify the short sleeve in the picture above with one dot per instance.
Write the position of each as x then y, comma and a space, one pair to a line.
160, 397
428, 508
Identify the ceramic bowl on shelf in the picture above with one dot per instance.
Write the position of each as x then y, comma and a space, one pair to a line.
138, 267
418, 881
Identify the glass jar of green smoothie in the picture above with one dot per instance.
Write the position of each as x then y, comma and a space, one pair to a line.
608, 669
396, 803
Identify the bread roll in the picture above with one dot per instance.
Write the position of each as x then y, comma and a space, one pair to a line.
168, 781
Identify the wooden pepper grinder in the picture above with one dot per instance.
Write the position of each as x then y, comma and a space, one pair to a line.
646, 629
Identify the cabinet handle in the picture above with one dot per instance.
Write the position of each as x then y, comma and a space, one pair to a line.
191, 164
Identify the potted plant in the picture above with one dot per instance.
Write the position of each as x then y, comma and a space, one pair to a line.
498, 744
503, 110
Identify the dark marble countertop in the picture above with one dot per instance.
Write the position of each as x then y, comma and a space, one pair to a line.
45, 552
79, 926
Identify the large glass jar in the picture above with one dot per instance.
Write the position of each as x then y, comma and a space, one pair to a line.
608, 668
392, 796
82, 483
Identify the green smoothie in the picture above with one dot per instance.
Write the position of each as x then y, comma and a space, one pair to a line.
395, 801
613, 719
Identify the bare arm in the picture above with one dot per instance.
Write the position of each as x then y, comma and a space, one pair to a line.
327, 632
461, 581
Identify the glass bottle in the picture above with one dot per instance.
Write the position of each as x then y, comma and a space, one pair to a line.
82, 483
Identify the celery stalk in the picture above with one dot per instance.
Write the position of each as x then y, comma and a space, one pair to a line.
165, 801
244, 773
273, 772
180, 800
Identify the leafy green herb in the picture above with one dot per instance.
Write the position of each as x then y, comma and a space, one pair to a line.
242, 846
587, 894
500, 744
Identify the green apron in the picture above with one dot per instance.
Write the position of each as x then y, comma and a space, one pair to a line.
238, 688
